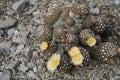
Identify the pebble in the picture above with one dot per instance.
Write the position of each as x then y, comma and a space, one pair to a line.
35, 69
38, 21
23, 68
2, 55
20, 37
16, 37
1, 38
19, 6
23, 37
9, 22
1, 32
11, 65
15, 50
117, 2
95, 10
26, 53
30, 65
116, 70
36, 14
11, 32
33, 75
5, 75
22, 27
42, 68
5, 44
30, 11
35, 55
92, 4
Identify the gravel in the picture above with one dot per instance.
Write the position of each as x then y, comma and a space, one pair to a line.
19, 18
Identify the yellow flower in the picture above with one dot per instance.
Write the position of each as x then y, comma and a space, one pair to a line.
53, 62
44, 45
75, 54
91, 41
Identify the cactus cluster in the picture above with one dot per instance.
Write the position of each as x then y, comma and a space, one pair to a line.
68, 44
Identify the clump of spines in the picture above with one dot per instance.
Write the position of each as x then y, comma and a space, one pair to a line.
2, 54
65, 64
105, 52
99, 24
65, 13
110, 23
72, 29
87, 37
117, 31
44, 34
69, 21
80, 9
68, 46
59, 33
72, 38
51, 19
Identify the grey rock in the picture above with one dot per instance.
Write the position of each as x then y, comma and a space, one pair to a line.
39, 28
11, 65
33, 75
1, 38
38, 21
20, 37
42, 68
36, 14
19, 49
22, 27
5, 44
1, 32
35, 55
95, 10
33, 2
30, 65
16, 37
19, 6
26, 52
5, 75
30, 11
92, 4
23, 68
9, 22
23, 37
11, 32
117, 2
2, 55
117, 70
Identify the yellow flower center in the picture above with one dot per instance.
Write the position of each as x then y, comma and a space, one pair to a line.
53, 62
44, 45
91, 41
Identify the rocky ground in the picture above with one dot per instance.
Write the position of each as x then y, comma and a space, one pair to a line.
18, 60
